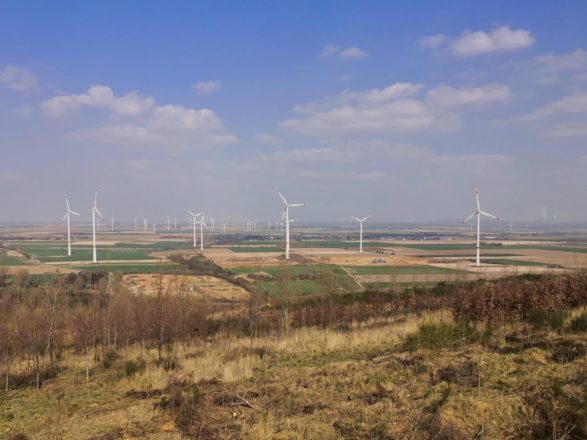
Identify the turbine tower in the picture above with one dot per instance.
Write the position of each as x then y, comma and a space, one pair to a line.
193, 222
67, 214
168, 224
94, 212
145, 224
360, 220
202, 226
479, 213
285, 216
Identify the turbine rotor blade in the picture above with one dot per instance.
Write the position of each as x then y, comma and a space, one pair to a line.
73, 212
98, 212
355, 218
470, 217
489, 215
297, 204
281, 195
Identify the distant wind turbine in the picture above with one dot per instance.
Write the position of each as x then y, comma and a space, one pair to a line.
67, 214
285, 217
168, 224
202, 226
94, 212
479, 213
193, 223
145, 224
360, 220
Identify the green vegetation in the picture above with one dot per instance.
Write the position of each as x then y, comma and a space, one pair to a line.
12, 261
56, 252
305, 278
399, 270
579, 323
510, 262
377, 285
256, 249
435, 336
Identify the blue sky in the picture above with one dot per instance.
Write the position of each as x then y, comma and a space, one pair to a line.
395, 109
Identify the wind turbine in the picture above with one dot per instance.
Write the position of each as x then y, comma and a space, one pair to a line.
479, 213
285, 216
193, 222
112, 224
67, 213
94, 212
135, 222
168, 224
202, 226
145, 224
224, 226
213, 223
360, 220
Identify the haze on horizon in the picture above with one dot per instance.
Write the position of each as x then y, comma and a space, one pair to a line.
394, 109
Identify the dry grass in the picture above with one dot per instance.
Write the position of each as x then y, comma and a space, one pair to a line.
312, 383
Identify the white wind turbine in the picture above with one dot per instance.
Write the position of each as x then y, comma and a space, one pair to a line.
168, 224
360, 220
193, 223
67, 214
479, 213
202, 226
145, 224
94, 212
285, 217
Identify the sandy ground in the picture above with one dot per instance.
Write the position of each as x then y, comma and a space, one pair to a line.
205, 287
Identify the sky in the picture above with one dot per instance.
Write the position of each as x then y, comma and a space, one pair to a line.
392, 109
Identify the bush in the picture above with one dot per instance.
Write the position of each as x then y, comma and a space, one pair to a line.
579, 324
442, 335
109, 358
132, 367
554, 320
168, 363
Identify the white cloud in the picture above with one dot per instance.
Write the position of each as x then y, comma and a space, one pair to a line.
136, 121
396, 108
470, 44
553, 63
450, 96
353, 52
497, 40
567, 129
309, 156
206, 87
570, 104
268, 139
433, 41
329, 50
18, 78
98, 96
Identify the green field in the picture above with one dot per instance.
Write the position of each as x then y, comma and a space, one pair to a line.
402, 285
464, 255
256, 249
12, 261
510, 262
343, 280
56, 252
399, 270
